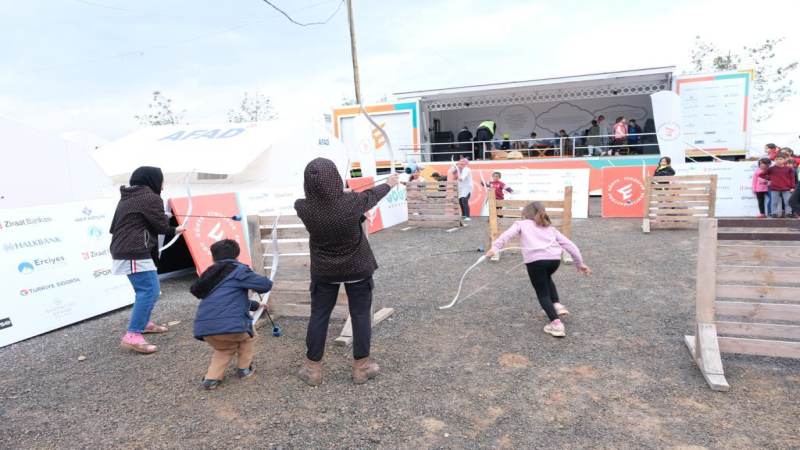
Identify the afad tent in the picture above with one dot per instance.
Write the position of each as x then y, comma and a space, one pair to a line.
42, 169
224, 157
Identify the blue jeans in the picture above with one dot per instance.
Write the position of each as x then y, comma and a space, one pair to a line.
147, 289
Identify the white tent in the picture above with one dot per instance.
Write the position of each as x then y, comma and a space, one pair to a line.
41, 169
224, 157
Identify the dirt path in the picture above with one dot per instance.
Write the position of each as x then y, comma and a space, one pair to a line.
482, 375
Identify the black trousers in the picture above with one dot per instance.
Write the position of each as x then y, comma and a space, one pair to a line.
483, 141
463, 202
762, 202
541, 275
794, 201
323, 299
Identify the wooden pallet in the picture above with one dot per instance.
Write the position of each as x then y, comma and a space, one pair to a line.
747, 294
679, 201
433, 204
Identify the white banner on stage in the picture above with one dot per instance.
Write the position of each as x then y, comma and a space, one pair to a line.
669, 127
735, 197
548, 185
56, 268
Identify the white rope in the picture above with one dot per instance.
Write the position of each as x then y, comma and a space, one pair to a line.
480, 260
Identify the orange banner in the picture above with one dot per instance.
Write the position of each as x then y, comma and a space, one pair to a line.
374, 214
623, 190
202, 232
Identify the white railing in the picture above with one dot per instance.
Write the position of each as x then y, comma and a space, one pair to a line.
558, 147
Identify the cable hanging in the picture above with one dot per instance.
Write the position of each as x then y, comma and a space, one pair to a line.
307, 23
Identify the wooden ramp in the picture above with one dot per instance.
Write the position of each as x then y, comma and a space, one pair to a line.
679, 201
748, 292
290, 292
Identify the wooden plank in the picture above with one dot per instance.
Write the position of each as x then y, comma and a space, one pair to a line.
761, 347
759, 223
436, 224
706, 274
566, 223
758, 274
758, 292
758, 311
712, 205
346, 337
786, 256
295, 310
670, 201
266, 221
715, 381
256, 248
784, 237
518, 204
678, 178
287, 246
767, 330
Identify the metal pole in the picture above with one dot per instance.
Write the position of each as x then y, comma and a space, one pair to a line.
356, 77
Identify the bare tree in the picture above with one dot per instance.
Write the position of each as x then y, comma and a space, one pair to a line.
257, 108
772, 80
160, 112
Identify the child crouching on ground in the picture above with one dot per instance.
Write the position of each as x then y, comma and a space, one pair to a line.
542, 246
223, 316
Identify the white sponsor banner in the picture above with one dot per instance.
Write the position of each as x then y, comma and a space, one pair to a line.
548, 185
56, 268
735, 197
394, 207
669, 126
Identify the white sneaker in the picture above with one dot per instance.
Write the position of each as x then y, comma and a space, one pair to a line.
556, 330
467, 219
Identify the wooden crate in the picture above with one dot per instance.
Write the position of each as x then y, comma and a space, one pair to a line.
679, 201
290, 295
747, 294
433, 204
503, 213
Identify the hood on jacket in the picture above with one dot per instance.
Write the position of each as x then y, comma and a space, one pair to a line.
151, 177
322, 182
211, 277
127, 192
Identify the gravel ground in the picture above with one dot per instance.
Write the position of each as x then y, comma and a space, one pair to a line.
482, 375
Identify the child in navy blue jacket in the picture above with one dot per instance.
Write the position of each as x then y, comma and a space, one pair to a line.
223, 317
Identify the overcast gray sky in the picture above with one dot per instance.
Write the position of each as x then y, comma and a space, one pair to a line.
91, 64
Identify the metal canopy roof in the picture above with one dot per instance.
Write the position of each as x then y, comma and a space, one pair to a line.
607, 84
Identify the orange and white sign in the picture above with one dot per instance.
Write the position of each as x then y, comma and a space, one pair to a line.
624, 191
218, 224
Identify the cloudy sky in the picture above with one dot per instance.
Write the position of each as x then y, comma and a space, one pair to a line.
90, 65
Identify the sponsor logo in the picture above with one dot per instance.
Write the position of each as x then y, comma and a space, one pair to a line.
92, 254
626, 191
216, 133
669, 131
25, 222
95, 232
5, 323
47, 287
25, 267
88, 216
101, 273
32, 243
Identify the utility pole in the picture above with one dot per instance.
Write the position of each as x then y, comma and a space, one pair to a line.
356, 78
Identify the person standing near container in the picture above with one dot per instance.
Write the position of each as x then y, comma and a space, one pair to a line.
483, 138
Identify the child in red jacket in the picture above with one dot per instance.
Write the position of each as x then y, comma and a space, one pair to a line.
498, 186
782, 182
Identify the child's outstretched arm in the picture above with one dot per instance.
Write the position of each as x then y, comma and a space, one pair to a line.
367, 199
512, 232
573, 251
250, 280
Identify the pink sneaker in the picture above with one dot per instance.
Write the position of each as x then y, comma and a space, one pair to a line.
555, 328
137, 343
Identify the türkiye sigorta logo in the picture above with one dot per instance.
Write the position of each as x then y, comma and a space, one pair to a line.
87, 215
46, 287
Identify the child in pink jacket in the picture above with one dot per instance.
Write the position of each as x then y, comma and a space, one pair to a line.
761, 186
541, 246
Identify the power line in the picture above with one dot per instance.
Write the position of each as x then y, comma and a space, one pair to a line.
307, 23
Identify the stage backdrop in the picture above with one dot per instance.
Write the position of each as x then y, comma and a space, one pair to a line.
56, 268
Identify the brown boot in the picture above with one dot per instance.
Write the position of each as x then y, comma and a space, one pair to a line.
364, 369
311, 372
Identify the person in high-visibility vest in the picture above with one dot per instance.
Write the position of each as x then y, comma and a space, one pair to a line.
483, 137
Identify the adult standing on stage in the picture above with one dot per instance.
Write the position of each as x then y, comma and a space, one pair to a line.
483, 137
465, 145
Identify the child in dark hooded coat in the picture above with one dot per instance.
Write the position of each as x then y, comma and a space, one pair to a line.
340, 253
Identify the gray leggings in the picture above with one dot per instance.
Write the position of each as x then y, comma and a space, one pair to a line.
780, 199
